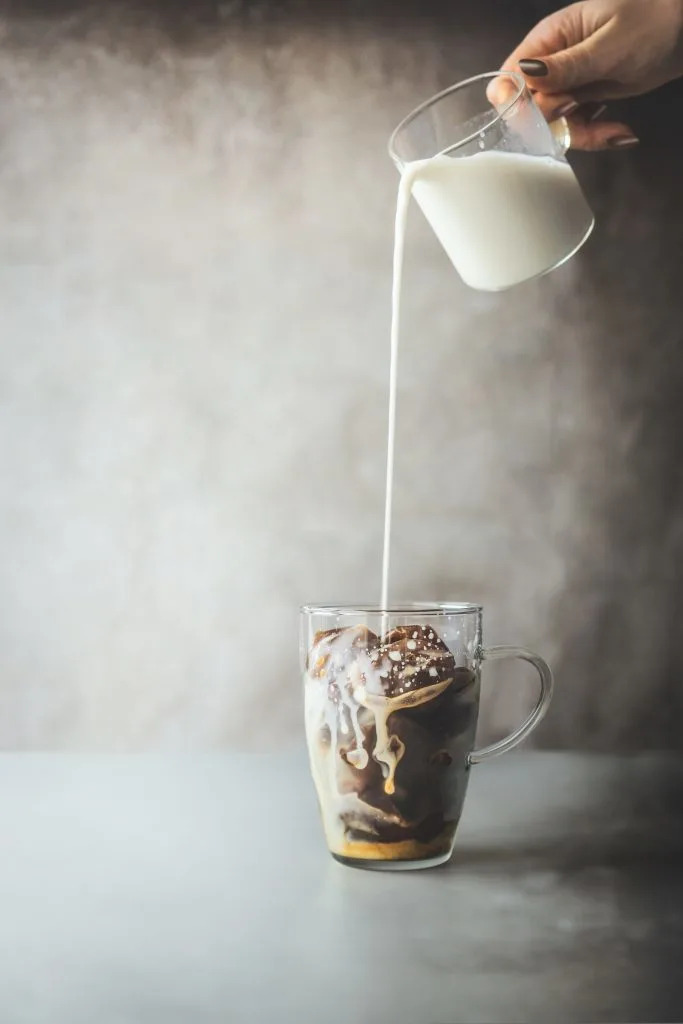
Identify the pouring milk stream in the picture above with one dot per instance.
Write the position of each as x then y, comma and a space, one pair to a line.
504, 215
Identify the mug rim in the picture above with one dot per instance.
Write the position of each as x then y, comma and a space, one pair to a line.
456, 87
420, 608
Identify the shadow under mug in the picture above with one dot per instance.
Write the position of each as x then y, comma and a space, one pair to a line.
391, 707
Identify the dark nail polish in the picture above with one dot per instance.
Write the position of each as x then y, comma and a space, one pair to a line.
534, 68
565, 110
623, 141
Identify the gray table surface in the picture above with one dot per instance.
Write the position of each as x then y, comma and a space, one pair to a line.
198, 890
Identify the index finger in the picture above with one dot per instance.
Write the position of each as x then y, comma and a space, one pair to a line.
544, 39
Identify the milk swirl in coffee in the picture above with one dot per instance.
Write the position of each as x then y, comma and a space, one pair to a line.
389, 721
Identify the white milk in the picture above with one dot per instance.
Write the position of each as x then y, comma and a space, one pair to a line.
402, 204
502, 217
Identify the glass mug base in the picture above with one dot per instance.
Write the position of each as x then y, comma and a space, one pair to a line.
393, 865
401, 855
391, 705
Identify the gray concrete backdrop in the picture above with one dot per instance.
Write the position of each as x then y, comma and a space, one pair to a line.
196, 213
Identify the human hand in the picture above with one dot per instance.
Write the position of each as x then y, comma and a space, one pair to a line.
598, 50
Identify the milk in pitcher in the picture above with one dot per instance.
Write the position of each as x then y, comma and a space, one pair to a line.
502, 217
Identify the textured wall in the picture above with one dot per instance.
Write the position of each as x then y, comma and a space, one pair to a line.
196, 212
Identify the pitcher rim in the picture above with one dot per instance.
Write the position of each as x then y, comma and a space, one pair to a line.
416, 111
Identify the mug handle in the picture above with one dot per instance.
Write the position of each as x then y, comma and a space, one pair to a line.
544, 697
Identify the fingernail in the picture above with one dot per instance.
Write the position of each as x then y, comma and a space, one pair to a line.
592, 111
534, 68
622, 141
565, 110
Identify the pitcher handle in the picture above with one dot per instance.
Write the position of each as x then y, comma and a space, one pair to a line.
544, 698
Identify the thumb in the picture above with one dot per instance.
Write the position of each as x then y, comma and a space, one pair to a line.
564, 71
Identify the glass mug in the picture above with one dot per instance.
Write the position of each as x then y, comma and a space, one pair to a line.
391, 723
492, 179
